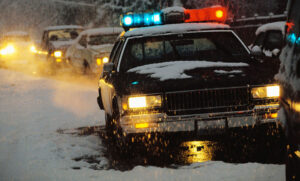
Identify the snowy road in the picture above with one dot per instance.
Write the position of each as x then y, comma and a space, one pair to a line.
34, 111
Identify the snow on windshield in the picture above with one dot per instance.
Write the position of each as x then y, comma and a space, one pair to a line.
175, 70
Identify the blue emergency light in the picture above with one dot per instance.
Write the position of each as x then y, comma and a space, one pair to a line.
139, 20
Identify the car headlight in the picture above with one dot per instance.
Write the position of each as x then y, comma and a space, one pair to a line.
10, 49
33, 49
139, 102
101, 60
57, 54
266, 92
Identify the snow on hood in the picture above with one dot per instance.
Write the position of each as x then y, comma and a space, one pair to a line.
60, 44
280, 25
175, 69
102, 48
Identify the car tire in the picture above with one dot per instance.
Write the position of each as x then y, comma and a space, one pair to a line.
86, 67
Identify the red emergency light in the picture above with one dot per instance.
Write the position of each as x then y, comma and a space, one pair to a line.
215, 13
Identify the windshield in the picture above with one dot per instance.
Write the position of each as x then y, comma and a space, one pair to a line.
102, 39
211, 46
63, 35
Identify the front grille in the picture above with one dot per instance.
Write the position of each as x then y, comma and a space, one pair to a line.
207, 99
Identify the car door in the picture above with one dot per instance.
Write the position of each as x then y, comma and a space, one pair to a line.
108, 80
78, 55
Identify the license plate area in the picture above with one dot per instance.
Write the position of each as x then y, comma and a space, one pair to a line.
211, 126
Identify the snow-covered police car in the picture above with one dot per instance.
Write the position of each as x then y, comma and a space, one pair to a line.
184, 73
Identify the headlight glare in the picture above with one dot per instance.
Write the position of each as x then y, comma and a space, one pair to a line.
8, 50
57, 54
265, 92
144, 102
105, 59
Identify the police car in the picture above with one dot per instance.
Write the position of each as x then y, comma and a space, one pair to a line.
184, 72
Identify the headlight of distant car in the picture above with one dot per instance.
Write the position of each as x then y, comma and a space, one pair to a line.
101, 60
57, 54
33, 49
142, 102
8, 50
265, 92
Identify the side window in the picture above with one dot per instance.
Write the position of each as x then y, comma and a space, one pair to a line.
274, 39
115, 59
259, 40
113, 51
83, 41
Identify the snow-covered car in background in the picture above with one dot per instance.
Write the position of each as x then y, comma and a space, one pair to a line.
16, 49
184, 77
56, 40
92, 48
289, 78
269, 39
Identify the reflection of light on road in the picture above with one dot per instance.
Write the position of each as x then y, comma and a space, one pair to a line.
196, 151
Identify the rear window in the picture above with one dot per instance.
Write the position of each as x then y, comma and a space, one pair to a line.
212, 46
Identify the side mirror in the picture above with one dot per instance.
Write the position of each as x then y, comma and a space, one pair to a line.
108, 67
256, 52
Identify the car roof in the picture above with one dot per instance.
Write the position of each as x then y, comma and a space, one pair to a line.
101, 31
62, 27
16, 33
174, 28
279, 26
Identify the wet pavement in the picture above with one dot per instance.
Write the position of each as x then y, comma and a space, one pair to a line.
263, 145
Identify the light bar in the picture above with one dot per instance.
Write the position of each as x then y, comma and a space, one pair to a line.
139, 20
211, 14
215, 13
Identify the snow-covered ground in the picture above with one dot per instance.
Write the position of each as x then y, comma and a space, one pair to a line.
33, 109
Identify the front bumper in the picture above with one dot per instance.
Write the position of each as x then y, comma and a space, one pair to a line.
201, 124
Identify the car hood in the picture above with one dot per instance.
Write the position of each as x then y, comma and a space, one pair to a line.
193, 75
61, 44
102, 48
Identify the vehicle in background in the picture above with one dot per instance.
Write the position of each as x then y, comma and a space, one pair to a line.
184, 77
269, 39
289, 78
55, 41
16, 49
92, 48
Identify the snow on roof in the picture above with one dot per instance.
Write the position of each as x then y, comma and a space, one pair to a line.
99, 31
16, 33
174, 28
175, 69
280, 25
61, 27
